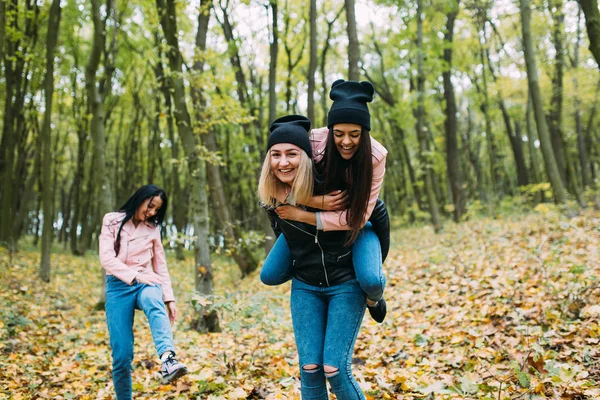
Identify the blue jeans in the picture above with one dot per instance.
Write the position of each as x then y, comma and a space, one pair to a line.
326, 322
366, 257
121, 302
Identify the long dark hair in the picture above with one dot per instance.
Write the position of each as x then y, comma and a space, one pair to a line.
354, 175
133, 203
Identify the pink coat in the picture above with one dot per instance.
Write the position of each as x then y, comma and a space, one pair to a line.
336, 220
141, 248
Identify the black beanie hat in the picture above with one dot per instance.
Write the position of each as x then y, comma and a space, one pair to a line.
350, 100
291, 129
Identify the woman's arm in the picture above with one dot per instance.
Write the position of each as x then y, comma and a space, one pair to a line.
336, 220
159, 264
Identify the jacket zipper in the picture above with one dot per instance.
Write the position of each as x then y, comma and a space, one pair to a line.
319, 244
344, 255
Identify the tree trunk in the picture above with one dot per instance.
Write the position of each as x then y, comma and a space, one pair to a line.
560, 195
47, 192
592, 23
555, 114
96, 96
273, 51
241, 254
324, 51
450, 124
353, 45
421, 133
584, 162
312, 62
206, 320
489, 134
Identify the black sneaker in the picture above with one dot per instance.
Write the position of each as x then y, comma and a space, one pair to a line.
172, 369
378, 310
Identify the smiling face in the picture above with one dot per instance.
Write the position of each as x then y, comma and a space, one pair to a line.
346, 138
285, 159
149, 208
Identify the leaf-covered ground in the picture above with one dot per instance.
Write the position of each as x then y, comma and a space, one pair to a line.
489, 309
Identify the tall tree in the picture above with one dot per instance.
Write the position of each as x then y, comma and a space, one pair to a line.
97, 91
241, 254
592, 23
353, 45
273, 54
425, 159
51, 40
207, 320
450, 124
560, 195
312, 61
556, 101
323, 63
584, 162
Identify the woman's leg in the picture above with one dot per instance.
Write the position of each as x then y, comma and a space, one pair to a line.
120, 310
345, 314
309, 316
151, 302
366, 256
277, 268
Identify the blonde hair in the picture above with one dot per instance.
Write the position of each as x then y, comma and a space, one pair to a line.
302, 187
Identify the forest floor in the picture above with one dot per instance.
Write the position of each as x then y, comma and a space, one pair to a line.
489, 309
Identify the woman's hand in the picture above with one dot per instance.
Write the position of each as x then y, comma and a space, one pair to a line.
149, 277
332, 201
289, 212
292, 213
172, 307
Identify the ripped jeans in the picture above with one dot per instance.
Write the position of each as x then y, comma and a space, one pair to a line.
326, 322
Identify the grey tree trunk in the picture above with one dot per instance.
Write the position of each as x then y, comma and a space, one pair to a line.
555, 114
353, 45
241, 254
312, 62
560, 195
47, 192
592, 23
421, 133
273, 52
96, 95
206, 319
584, 162
489, 134
324, 51
450, 124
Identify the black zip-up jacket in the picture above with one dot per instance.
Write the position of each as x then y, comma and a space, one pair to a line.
320, 257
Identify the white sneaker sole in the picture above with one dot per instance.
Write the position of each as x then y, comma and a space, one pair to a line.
175, 375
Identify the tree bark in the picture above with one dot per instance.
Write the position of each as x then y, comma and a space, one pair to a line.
555, 114
584, 162
324, 51
420, 125
353, 45
560, 195
592, 23
47, 192
206, 320
233, 235
450, 124
312, 62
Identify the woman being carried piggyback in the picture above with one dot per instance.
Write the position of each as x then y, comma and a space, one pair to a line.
350, 166
327, 303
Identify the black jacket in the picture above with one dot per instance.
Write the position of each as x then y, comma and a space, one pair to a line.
320, 258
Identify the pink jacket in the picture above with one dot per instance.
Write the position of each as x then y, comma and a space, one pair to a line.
141, 248
336, 220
